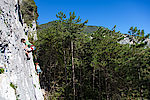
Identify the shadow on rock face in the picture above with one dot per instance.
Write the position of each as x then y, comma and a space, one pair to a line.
3, 47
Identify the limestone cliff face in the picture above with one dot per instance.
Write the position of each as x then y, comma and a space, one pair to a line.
19, 80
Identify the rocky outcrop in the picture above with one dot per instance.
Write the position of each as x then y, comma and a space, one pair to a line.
19, 80
127, 40
31, 31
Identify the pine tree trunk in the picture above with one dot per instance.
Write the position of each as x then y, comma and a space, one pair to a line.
49, 80
73, 73
93, 77
99, 81
65, 71
65, 65
140, 87
80, 95
106, 81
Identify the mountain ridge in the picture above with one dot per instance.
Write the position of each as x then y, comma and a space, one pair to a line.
88, 28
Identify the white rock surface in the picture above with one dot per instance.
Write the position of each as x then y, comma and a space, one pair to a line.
126, 40
31, 31
18, 70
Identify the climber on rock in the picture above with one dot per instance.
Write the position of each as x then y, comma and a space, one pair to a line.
29, 47
38, 68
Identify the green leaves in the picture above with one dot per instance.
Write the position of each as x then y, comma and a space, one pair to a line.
123, 60
61, 16
102, 65
1, 70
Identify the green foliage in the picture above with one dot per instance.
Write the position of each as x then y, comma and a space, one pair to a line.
34, 85
13, 86
104, 69
17, 97
1, 70
30, 37
90, 29
26, 33
29, 11
87, 29
31, 25
137, 36
123, 61
0, 11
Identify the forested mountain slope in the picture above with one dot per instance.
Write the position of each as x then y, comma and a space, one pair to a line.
101, 65
88, 29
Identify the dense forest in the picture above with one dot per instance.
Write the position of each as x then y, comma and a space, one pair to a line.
79, 63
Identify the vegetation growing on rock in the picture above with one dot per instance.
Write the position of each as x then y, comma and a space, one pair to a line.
0, 10
29, 11
1, 70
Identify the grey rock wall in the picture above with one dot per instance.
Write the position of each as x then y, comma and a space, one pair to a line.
19, 81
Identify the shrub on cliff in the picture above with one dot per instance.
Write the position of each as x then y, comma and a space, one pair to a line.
1, 70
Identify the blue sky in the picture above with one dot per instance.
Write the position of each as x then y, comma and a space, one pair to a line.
107, 13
